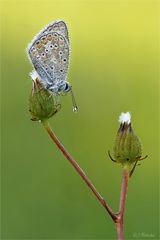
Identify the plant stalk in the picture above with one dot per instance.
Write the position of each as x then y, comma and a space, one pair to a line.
122, 203
79, 171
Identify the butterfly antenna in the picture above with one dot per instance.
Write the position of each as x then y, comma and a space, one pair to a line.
75, 108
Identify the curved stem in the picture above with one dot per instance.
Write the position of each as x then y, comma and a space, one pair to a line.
123, 195
79, 170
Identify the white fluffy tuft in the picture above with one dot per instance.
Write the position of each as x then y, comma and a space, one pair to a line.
125, 118
34, 75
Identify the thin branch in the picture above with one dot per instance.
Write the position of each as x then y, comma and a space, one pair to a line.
122, 202
79, 171
119, 231
123, 191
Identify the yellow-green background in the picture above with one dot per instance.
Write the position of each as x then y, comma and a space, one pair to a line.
113, 68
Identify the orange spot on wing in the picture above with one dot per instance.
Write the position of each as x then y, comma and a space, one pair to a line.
39, 45
49, 38
44, 41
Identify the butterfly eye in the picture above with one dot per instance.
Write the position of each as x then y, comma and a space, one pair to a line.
52, 68
38, 42
46, 50
55, 46
61, 70
60, 53
49, 29
43, 54
64, 60
51, 46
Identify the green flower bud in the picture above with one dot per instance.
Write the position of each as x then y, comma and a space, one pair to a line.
42, 103
127, 148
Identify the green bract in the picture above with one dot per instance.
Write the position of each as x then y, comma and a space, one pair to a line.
42, 103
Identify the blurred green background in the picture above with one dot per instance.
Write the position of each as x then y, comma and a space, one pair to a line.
113, 68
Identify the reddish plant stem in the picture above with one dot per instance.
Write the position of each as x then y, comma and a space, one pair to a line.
79, 171
119, 231
123, 195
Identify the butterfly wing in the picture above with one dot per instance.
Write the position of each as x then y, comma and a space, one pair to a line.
49, 54
58, 26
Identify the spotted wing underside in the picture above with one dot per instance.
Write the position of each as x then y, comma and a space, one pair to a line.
49, 53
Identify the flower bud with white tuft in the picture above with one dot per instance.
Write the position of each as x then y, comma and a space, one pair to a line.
127, 147
42, 103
